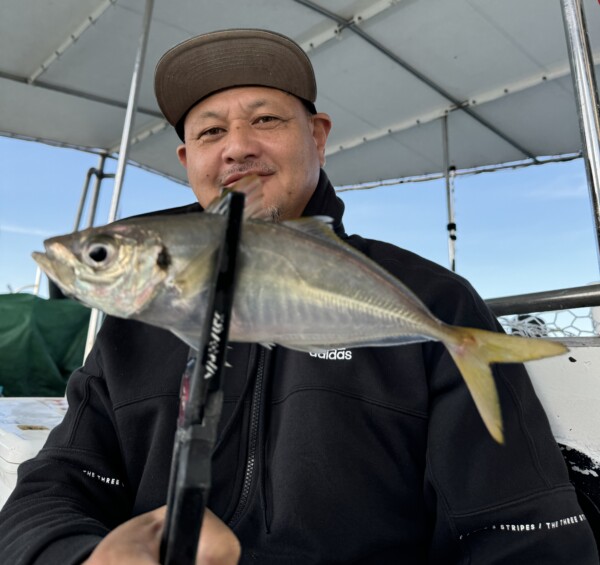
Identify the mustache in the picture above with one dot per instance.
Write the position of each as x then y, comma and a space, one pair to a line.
258, 167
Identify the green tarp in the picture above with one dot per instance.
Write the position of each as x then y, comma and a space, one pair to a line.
41, 343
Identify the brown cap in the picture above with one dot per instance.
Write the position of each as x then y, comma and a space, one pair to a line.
205, 64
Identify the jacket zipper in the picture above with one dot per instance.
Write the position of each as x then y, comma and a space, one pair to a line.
252, 459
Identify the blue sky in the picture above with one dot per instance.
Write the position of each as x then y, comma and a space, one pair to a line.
519, 231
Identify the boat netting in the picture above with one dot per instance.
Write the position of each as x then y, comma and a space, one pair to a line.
577, 322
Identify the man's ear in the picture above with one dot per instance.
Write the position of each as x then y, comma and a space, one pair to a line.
182, 155
321, 128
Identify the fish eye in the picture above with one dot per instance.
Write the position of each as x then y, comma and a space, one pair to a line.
98, 254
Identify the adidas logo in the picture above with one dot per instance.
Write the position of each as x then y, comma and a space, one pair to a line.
334, 355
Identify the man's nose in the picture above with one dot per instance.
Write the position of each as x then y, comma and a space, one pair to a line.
242, 144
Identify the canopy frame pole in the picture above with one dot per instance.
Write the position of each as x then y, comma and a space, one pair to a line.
462, 105
100, 176
586, 94
449, 172
136, 79
37, 282
83, 198
132, 103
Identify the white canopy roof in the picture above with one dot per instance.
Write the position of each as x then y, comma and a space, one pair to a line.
387, 71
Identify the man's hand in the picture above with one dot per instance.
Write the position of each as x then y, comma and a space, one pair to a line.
137, 542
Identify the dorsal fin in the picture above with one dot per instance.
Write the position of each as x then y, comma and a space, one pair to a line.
318, 226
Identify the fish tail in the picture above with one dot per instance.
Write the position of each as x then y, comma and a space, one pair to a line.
473, 350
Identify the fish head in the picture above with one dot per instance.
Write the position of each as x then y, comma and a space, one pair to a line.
115, 268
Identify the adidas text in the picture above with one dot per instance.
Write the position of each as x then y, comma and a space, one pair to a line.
334, 355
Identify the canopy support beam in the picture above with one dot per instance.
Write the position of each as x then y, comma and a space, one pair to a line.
111, 102
136, 80
449, 174
459, 104
586, 92
69, 41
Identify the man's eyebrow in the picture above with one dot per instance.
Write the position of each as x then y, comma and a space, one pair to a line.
213, 114
209, 114
259, 103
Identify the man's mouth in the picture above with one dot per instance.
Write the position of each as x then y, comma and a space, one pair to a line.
231, 179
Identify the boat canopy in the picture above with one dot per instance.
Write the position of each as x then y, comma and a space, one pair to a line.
388, 72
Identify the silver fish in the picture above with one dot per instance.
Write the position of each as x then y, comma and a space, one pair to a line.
298, 286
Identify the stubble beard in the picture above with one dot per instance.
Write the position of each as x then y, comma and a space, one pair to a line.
273, 213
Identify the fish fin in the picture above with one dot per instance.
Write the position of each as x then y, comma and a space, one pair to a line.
318, 226
473, 350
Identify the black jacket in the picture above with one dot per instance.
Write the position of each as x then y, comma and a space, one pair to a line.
371, 456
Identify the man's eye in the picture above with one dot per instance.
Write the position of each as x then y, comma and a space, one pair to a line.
211, 132
267, 119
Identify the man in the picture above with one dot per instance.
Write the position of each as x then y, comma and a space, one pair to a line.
370, 456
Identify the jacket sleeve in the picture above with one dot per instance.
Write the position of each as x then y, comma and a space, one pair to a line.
74, 492
495, 504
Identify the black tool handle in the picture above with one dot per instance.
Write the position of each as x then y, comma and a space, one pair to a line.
201, 401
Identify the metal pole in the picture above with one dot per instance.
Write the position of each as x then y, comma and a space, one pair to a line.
93, 327
96, 190
83, 198
38, 280
584, 81
131, 110
449, 173
96, 316
547, 301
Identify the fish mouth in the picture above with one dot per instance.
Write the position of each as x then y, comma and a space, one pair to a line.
57, 263
44, 262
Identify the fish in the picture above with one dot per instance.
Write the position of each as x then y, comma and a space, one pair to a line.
298, 286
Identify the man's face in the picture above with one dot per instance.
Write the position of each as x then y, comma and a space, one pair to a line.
255, 130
